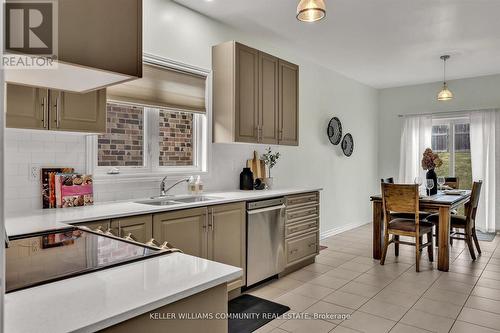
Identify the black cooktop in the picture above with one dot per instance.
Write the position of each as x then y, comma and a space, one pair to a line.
36, 259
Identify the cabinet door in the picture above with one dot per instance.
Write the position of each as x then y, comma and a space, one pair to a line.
141, 227
247, 94
26, 107
288, 103
185, 230
227, 238
78, 112
268, 98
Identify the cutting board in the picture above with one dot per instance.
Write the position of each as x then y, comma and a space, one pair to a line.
257, 166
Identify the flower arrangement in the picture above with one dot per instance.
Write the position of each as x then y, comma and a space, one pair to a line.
270, 159
430, 160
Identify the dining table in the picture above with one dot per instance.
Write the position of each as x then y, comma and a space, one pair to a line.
441, 203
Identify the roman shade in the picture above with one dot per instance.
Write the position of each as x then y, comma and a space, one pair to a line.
162, 87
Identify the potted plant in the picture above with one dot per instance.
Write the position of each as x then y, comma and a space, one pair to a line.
430, 161
270, 159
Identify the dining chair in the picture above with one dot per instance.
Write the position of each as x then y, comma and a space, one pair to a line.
466, 222
401, 198
390, 180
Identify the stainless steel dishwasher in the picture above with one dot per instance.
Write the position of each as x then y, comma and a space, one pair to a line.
265, 239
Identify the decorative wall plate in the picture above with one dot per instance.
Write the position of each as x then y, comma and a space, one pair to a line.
334, 131
348, 144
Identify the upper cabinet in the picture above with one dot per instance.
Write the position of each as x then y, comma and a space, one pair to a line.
255, 96
56, 110
98, 44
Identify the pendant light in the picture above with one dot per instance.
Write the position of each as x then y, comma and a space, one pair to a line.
311, 10
445, 94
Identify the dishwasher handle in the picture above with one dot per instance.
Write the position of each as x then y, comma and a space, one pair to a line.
267, 209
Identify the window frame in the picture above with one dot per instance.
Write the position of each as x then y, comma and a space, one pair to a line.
202, 135
450, 122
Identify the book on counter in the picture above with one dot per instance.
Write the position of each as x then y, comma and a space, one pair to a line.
48, 185
73, 190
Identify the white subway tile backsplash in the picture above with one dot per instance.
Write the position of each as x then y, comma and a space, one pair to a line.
27, 149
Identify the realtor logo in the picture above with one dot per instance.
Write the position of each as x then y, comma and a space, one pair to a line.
29, 27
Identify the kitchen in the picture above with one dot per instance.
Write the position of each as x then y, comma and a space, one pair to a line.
59, 150
161, 126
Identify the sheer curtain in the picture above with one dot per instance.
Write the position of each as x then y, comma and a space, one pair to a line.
482, 146
416, 137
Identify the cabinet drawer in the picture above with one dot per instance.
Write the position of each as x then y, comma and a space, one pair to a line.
298, 228
301, 247
302, 199
302, 213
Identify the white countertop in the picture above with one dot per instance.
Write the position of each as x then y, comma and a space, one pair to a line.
91, 302
49, 219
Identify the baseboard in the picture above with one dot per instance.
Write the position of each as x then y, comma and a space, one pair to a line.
338, 230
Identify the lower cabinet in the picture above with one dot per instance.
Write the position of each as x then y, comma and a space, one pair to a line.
183, 229
216, 233
139, 227
227, 238
301, 228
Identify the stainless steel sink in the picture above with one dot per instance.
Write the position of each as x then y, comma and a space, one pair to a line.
158, 202
196, 199
175, 201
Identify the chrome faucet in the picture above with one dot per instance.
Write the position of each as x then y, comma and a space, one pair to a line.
164, 191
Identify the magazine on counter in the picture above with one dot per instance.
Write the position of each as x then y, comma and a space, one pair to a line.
47, 178
73, 190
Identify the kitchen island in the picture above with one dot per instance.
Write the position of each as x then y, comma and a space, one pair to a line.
95, 301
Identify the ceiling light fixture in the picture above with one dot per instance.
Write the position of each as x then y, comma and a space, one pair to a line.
311, 10
445, 94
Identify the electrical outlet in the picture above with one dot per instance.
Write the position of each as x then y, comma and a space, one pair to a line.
34, 174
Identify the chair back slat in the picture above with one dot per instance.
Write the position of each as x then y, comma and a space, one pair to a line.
400, 198
471, 206
452, 182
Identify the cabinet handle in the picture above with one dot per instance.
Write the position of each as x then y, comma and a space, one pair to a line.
58, 110
44, 111
293, 251
213, 219
280, 134
312, 244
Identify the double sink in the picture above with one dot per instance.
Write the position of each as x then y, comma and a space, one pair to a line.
172, 200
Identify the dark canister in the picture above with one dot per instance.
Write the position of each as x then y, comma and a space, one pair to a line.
246, 179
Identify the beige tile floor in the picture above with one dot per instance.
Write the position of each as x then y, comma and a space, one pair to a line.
390, 298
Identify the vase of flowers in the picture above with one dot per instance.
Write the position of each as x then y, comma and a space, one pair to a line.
430, 161
270, 159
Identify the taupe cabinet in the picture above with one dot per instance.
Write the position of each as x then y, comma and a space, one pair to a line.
216, 233
255, 96
99, 44
139, 227
40, 108
301, 228
184, 229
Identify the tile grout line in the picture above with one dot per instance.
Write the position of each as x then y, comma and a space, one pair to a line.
470, 294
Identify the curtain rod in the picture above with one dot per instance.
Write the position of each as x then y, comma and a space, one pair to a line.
446, 113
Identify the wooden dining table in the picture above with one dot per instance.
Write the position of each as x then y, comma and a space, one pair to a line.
440, 203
